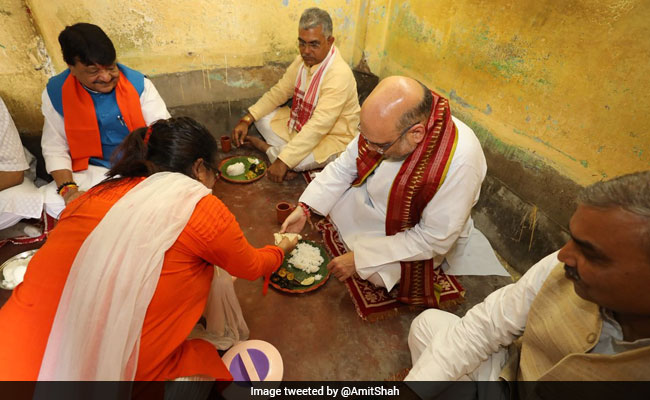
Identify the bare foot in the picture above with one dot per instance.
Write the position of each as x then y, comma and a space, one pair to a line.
258, 143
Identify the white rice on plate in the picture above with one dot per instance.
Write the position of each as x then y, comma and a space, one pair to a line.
236, 169
306, 258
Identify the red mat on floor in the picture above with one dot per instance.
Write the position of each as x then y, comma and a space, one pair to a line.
373, 302
46, 223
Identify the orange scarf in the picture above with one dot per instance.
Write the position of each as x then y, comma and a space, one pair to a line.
80, 120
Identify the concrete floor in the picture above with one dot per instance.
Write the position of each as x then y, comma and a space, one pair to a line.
318, 334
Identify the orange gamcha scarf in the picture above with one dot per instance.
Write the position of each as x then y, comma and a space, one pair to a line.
81, 127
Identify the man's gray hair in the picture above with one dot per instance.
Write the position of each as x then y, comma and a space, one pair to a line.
630, 192
312, 17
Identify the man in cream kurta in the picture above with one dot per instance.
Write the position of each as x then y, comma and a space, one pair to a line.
582, 313
335, 115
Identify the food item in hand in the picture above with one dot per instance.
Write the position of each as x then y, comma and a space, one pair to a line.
236, 169
279, 236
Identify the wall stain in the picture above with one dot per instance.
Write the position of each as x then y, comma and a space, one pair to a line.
453, 96
488, 110
417, 30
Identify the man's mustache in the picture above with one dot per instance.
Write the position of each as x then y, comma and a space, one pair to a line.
572, 272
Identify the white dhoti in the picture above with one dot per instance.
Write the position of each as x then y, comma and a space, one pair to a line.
423, 330
54, 204
277, 144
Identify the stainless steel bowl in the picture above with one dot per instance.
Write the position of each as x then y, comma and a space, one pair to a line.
20, 256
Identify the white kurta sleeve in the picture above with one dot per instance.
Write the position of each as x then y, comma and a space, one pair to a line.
153, 106
495, 323
328, 186
12, 156
54, 142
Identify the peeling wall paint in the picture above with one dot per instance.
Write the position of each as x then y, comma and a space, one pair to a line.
564, 82
24, 66
159, 37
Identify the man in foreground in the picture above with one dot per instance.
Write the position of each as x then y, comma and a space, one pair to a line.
582, 313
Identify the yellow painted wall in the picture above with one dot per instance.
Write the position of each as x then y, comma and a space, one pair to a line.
561, 83
168, 36
23, 66
565, 82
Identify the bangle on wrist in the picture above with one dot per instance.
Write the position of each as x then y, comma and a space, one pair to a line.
64, 190
305, 209
248, 119
65, 184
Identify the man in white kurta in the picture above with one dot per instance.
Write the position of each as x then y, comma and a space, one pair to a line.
19, 197
582, 313
99, 74
445, 229
324, 114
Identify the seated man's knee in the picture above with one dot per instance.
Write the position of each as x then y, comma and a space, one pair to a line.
428, 323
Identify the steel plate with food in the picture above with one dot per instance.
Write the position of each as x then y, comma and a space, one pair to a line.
13, 270
304, 270
242, 169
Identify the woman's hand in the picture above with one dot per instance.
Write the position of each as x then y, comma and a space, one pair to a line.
288, 245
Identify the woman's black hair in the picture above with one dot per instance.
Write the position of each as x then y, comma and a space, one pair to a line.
173, 145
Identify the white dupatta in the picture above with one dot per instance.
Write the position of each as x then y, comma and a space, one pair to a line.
98, 323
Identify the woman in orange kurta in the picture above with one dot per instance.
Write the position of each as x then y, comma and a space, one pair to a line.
212, 236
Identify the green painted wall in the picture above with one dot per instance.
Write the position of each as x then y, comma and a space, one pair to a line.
562, 84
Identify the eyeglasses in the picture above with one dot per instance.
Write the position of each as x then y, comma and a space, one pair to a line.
315, 45
383, 148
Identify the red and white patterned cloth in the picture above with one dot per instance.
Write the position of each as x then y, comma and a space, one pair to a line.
305, 98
